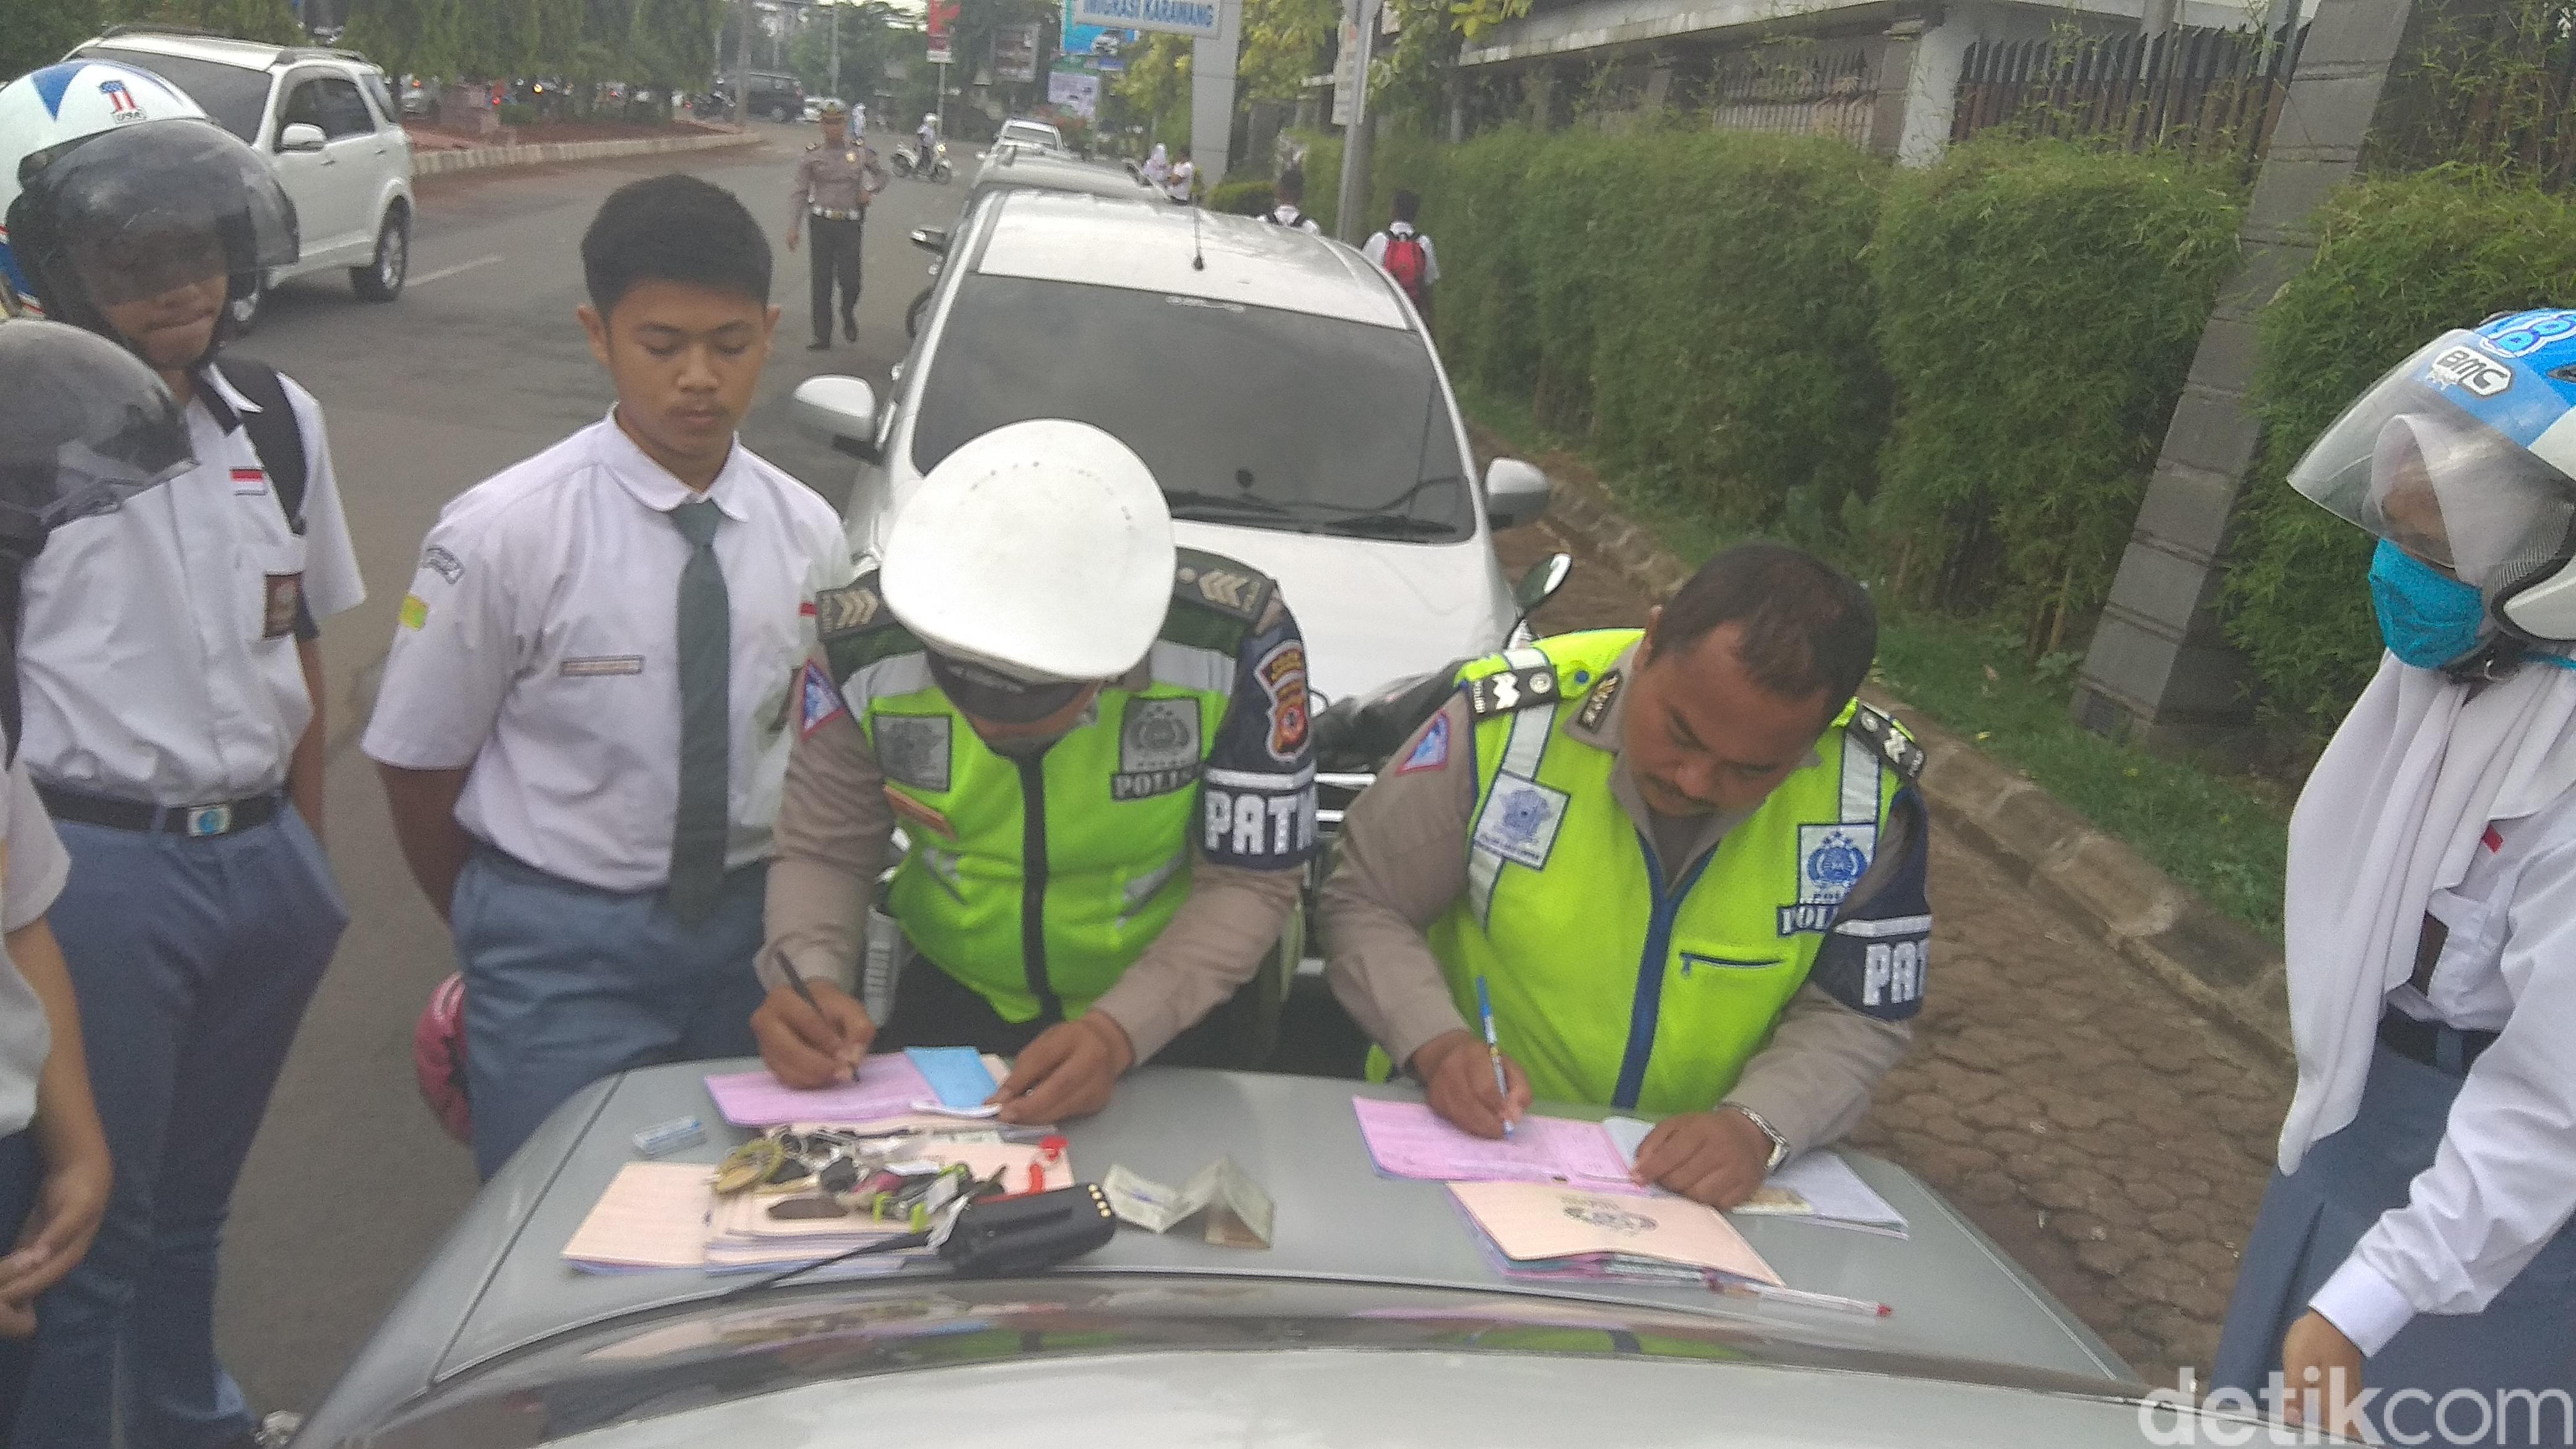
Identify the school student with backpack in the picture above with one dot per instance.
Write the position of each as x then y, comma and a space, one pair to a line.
1406, 255
1289, 191
173, 724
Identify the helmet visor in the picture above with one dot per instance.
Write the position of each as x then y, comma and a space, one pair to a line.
2416, 461
152, 208
89, 425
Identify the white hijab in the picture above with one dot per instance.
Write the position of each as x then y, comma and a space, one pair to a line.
2392, 813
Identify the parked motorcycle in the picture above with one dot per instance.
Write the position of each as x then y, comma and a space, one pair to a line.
933, 168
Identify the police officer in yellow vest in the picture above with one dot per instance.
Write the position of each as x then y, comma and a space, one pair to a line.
1687, 864
1096, 746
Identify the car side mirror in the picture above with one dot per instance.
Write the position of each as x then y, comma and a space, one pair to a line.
301, 136
841, 411
1515, 492
1542, 581
931, 238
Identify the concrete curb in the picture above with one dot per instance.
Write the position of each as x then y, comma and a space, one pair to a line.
2228, 971
486, 158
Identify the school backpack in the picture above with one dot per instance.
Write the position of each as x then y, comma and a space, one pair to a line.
274, 433
1406, 261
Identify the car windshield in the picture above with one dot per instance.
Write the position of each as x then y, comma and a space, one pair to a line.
1031, 135
235, 97
1249, 416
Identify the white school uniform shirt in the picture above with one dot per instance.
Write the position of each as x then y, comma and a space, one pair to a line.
1375, 250
1289, 216
539, 646
1176, 185
2503, 1182
33, 869
157, 659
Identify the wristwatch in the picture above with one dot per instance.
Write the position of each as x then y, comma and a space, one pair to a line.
1779, 1144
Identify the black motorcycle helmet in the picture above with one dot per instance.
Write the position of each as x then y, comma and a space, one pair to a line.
84, 426
120, 215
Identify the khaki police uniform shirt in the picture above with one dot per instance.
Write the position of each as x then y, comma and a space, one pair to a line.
1403, 861
834, 828
836, 179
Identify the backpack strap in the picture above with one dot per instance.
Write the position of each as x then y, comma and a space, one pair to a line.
275, 433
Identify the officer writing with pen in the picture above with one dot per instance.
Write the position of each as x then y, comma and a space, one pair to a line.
1096, 746
834, 180
1685, 864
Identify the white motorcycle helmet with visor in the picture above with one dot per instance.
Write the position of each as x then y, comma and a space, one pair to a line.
2464, 457
133, 204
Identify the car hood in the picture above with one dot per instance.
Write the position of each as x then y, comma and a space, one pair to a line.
1373, 611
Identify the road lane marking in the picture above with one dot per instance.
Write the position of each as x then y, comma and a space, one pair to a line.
443, 273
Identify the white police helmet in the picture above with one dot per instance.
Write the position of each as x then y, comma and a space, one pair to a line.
113, 183
1036, 557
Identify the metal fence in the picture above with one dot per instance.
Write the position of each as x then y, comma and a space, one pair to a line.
1809, 92
2214, 94
2490, 88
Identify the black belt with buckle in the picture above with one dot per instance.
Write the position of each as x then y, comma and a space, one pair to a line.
2422, 1041
201, 822
825, 213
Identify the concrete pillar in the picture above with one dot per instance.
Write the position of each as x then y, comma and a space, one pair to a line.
2160, 673
1542, 95
1922, 70
1212, 62
1659, 81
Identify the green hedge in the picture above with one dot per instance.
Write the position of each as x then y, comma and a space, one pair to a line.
1728, 364
1241, 198
2039, 304
2399, 260
1323, 169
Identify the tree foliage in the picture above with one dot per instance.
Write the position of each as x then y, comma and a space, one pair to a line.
37, 32
666, 44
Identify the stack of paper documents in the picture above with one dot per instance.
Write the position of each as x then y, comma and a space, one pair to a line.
1408, 1139
889, 1086
1543, 1230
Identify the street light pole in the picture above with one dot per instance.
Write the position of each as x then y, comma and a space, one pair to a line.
836, 49
742, 69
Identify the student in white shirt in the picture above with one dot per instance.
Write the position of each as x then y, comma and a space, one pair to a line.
174, 727
2416, 1242
1182, 181
1289, 191
582, 771
1405, 254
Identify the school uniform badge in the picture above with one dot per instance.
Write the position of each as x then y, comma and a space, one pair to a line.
282, 602
1432, 751
1520, 821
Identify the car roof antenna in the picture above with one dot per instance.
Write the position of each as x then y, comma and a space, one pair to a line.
1198, 258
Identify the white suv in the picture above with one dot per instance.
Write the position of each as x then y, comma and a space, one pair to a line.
324, 118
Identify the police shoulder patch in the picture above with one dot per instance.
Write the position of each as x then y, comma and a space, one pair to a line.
1216, 582
844, 611
1894, 745
1510, 689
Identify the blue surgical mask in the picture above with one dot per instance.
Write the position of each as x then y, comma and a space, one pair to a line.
2427, 617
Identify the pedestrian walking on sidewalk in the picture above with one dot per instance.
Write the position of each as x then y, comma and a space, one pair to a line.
1405, 254
834, 182
2415, 1244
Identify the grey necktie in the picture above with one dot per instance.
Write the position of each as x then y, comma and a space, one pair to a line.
705, 637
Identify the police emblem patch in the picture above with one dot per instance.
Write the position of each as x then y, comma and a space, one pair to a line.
1520, 821
1158, 748
1831, 860
1283, 677
914, 749
821, 702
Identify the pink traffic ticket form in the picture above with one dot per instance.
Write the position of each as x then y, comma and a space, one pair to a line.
888, 1085
1408, 1139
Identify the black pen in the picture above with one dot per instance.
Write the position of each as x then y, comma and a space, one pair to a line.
796, 978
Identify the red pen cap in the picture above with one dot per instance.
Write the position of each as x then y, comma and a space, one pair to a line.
1051, 1149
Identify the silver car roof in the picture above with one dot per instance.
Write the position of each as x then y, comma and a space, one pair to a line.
498, 1285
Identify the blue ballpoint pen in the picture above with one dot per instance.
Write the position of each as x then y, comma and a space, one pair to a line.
1494, 1050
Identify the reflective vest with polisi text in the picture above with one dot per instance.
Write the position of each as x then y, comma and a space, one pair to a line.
1615, 986
1038, 881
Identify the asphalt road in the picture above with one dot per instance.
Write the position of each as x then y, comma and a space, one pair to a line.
480, 363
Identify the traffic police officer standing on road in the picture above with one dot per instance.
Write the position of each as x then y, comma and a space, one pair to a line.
833, 183
1098, 749
1687, 863
174, 726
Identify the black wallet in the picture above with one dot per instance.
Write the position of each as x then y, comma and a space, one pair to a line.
997, 1237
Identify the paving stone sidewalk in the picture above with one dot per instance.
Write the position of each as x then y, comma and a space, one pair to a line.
2110, 1137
